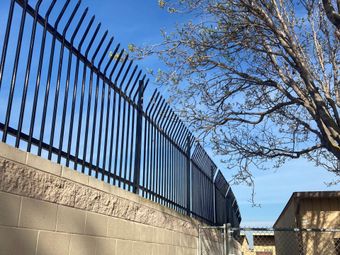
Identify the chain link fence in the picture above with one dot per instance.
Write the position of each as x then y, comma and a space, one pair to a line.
268, 241
218, 240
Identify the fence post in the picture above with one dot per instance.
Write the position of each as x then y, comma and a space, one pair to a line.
138, 147
225, 239
188, 175
215, 204
199, 240
226, 234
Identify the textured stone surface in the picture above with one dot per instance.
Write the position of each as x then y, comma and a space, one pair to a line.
30, 182
58, 190
118, 222
20, 180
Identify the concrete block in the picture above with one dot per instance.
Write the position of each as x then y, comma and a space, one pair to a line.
22, 180
193, 242
96, 224
141, 248
146, 233
188, 241
38, 214
53, 243
98, 184
168, 236
179, 250
73, 175
59, 190
160, 235
107, 187
16, 241
12, 153
10, 209
176, 238
82, 245
171, 249
159, 249
189, 251
124, 247
43, 164
125, 194
122, 229
138, 230
70, 220
105, 246
86, 198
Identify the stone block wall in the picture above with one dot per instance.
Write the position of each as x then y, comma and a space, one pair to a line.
49, 209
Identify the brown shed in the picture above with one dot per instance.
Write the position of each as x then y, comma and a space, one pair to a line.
309, 210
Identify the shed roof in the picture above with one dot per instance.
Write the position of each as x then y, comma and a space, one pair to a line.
307, 194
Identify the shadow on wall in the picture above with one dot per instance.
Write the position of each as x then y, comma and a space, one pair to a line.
14, 240
314, 242
211, 242
38, 221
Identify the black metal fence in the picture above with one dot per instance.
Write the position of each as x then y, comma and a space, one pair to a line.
68, 94
227, 210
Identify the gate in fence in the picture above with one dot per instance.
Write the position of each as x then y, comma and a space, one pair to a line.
68, 94
226, 240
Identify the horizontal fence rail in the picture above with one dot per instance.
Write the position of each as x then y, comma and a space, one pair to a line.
70, 94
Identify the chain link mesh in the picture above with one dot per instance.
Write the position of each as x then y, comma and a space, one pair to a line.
211, 240
289, 242
269, 241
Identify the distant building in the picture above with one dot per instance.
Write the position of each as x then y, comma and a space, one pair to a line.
262, 243
309, 210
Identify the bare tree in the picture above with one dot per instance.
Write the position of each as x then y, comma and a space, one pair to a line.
332, 15
260, 78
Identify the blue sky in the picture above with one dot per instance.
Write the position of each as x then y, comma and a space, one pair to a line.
139, 22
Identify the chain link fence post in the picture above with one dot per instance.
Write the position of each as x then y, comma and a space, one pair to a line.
199, 241
226, 242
